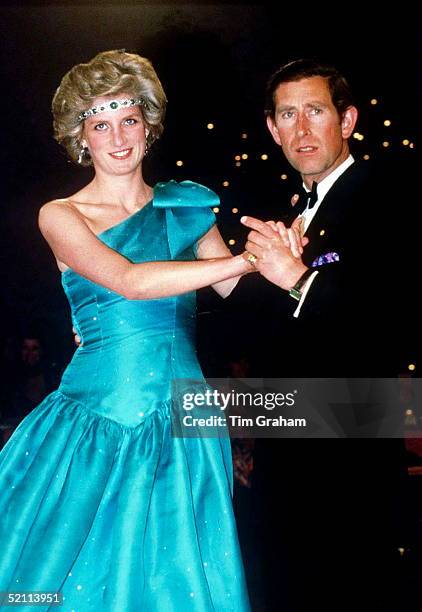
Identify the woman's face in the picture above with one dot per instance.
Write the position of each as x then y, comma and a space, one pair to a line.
116, 139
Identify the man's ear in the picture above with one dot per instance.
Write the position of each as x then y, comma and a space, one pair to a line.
273, 129
348, 121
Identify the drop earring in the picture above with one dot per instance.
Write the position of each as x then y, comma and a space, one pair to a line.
146, 150
82, 153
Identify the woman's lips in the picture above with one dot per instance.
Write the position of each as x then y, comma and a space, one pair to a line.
123, 154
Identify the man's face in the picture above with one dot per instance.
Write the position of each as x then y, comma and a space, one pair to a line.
308, 128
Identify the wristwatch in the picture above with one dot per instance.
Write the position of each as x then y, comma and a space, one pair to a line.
295, 291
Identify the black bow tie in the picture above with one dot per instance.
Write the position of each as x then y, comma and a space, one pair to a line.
307, 199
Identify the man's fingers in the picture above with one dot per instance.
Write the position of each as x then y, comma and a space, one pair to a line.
76, 337
295, 245
260, 240
282, 231
299, 225
260, 226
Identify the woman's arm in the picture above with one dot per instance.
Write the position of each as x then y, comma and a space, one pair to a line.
213, 246
76, 246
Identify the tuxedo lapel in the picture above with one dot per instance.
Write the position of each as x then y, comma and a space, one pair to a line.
336, 216
324, 230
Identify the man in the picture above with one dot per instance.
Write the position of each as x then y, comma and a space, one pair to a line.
311, 115
328, 506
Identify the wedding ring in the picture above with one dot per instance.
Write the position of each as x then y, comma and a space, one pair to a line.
252, 259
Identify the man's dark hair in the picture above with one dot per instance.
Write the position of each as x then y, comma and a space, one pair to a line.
297, 70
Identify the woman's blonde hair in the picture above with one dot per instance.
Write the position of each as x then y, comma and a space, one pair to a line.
107, 74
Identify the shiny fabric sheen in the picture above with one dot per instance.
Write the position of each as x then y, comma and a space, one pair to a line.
98, 501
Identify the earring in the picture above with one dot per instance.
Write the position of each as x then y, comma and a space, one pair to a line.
82, 153
146, 150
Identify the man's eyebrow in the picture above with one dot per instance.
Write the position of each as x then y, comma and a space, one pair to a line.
316, 103
285, 107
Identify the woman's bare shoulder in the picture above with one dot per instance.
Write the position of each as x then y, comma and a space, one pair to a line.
59, 207
60, 213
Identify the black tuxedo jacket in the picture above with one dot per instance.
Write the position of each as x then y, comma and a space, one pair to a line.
354, 320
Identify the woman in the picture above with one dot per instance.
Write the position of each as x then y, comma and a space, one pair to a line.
99, 501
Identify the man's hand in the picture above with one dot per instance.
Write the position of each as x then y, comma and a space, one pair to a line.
278, 250
76, 337
293, 236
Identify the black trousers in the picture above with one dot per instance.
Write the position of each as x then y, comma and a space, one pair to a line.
330, 515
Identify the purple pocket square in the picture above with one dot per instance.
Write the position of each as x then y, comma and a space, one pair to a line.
326, 259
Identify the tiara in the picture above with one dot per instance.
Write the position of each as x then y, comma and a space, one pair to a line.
112, 106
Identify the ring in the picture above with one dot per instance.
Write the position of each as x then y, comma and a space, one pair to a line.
252, 259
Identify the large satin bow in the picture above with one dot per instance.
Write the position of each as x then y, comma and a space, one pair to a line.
187, 206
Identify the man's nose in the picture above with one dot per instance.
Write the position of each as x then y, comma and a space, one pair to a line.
302, 126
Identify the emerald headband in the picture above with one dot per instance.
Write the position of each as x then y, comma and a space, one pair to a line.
112, 106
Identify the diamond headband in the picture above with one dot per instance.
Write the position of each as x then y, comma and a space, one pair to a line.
112, 106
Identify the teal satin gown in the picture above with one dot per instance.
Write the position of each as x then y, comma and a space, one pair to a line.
98, 500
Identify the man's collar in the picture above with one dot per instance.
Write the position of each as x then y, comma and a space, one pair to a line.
325, 185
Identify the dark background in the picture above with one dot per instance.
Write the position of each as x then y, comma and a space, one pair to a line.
213, 60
